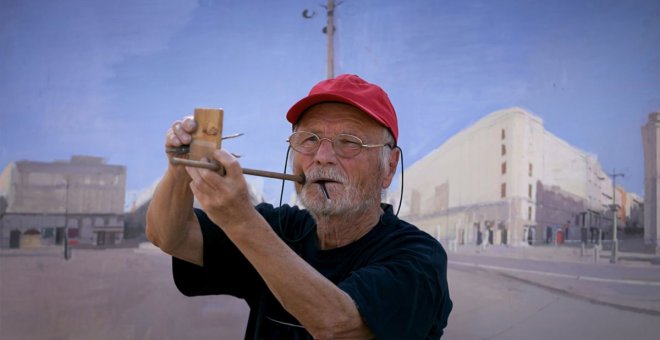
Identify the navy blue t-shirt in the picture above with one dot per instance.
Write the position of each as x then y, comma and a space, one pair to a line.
396, 274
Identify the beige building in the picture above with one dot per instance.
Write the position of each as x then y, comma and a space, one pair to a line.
83, 197
651, 144
507, 180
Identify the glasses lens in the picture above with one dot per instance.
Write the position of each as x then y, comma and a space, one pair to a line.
308, 143
304, 142
347, 145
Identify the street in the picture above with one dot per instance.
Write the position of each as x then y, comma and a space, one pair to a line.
106, 294
129, 294
489, 305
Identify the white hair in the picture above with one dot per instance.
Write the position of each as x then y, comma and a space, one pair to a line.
386, 152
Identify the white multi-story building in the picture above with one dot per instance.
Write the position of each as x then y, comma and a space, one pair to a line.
507, 180
651, 143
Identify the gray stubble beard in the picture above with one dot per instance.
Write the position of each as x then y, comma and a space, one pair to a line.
345, 206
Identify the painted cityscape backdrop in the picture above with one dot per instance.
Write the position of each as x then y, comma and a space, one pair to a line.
106, 80
529, 130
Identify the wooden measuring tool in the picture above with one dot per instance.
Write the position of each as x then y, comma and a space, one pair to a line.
208, 138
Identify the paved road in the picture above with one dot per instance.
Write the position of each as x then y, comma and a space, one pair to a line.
626, 285
129, 294
489, 305
106, 294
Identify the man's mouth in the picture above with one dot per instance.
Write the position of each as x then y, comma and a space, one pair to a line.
323, 181
322, 185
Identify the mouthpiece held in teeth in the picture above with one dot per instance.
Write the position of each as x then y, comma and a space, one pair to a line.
324, 190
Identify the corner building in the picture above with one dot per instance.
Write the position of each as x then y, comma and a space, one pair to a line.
507, 180
651, 143
42, 202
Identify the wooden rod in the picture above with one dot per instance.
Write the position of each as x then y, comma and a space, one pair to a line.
253, 172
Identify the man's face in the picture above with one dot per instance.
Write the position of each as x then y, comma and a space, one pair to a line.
353, 184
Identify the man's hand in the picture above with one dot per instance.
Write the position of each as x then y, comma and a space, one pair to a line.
225, 198
180, 134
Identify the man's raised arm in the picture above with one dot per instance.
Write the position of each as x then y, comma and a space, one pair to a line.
171, 223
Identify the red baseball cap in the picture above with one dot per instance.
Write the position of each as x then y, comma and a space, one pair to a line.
353, 90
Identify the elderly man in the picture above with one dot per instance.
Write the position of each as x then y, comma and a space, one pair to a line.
343, 267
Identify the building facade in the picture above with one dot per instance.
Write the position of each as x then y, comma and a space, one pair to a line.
651, 144
506, 180
81, 199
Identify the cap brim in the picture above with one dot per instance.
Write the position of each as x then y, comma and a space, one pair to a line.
302, 105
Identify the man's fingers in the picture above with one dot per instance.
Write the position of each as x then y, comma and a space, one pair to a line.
189, 125
172, 140
229, 162
181, 132
193, 173
183, 136
203, 176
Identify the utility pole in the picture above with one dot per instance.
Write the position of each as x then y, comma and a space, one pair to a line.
615, 241
329, 31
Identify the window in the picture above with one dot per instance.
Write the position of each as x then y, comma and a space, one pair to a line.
531, 168
529, 213
529, 191
503, 190
503, 134
503, 149
503, 168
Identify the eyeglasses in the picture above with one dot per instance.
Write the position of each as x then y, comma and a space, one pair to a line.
344, 145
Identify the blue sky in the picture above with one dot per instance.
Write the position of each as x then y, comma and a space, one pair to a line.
107, 78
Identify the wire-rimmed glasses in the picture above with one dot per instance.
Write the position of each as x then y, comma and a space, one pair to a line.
344, 145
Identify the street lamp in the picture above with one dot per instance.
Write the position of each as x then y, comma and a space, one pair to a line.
67, 250
613, 207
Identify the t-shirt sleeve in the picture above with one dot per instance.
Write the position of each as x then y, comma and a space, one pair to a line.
225, 270
403, 295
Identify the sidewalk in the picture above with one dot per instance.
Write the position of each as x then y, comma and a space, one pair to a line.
633, 283
563, 253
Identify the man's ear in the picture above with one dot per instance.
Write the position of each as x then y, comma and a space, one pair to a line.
390, 170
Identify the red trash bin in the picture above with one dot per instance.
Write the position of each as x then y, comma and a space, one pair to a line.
560, 236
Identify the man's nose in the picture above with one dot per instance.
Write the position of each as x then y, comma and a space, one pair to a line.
326, 152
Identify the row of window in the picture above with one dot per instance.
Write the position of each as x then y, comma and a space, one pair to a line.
529, 190
503, 170
529, 172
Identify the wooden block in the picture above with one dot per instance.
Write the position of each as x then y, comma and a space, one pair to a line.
208, 136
